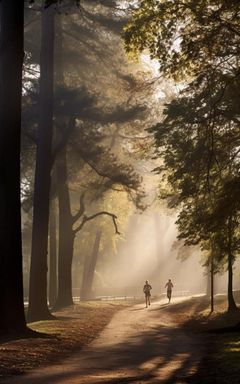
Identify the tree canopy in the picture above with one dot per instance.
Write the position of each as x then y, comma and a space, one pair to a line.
197, 44
187, 37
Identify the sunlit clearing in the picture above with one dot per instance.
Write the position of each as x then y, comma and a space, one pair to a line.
147, 253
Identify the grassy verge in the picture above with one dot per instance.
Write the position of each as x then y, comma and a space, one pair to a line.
75, 327
78, 325
221, 363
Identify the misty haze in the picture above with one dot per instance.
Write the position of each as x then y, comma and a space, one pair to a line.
119, 191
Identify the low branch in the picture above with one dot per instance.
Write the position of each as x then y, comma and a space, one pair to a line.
88, 218
91, 164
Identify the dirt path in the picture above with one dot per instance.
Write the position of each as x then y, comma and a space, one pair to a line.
138, 346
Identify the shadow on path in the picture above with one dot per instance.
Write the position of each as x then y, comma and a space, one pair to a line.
135, 348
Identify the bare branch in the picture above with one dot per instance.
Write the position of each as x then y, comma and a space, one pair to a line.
31, 70
88, 218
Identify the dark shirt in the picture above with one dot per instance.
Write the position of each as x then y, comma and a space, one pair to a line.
147, 288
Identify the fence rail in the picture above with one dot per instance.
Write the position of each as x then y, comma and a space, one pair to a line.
124, 297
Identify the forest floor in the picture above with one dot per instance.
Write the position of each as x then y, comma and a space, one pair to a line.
178, 343
73, 328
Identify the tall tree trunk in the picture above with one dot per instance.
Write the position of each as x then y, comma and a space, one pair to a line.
208, 286
38, 309
12, 319
212, 282
52, 254
59, 70
231, 302
89, 269
66, 235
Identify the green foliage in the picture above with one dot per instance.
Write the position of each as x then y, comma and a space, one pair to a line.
200, 147
197, 42
187, 37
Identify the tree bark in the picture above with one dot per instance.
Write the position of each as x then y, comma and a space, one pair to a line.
212, 283
231, 302
59, 70
66, 235
52, 255
12, 319
208, 287
38, 308
89, 269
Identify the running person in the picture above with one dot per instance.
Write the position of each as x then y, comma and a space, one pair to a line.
147, 290
169, 286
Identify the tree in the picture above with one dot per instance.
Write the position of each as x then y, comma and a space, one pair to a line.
12, 320
52, 254
198, 44
200, 184
69, 225
85, 142
79, 115
89, 269
198, 172
12, 306
188, 38
38, 307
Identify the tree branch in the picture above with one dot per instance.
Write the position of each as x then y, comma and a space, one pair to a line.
91, 164
88, 218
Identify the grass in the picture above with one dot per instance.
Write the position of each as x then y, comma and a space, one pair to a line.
80, 324
75, 327
221, 364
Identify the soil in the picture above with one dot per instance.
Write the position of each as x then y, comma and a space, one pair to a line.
139, 345
164, 343
74, 327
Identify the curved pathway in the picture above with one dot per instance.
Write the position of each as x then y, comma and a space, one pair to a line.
140, 345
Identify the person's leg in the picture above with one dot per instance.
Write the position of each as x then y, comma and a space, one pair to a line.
146, 300
149, 299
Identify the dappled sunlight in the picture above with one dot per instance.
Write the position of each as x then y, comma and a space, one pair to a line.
152, 363
148, 346
119, 192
